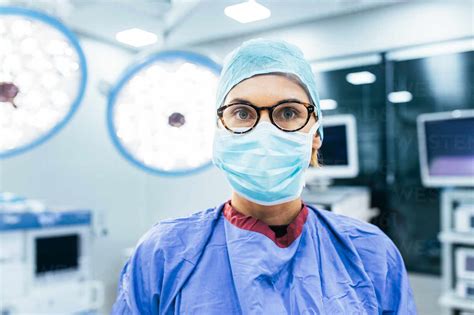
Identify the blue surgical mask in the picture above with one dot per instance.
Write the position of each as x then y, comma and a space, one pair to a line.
265, 165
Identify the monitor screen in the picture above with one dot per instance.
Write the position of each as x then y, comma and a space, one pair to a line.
450, 147
57, 253
470, 291
334, 150
470, 263
338, 157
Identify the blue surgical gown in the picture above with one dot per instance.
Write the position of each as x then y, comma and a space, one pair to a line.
203, 264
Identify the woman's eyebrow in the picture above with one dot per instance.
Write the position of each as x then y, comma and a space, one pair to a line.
240, 100
289, 100
244, 101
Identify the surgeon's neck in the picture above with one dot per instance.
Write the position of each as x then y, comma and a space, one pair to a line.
280, 214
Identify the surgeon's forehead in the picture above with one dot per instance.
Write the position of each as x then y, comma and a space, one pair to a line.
267, 90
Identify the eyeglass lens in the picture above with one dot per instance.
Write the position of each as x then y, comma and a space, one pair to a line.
286, 116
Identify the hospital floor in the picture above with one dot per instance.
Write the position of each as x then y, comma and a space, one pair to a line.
427, 290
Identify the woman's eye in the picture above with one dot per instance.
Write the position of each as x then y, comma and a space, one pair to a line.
242, 114
288, 113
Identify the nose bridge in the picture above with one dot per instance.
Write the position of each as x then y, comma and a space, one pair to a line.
265, 114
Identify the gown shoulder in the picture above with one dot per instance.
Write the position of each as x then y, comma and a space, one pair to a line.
348, 226
367, 240
366, 248
178, 234
168, 251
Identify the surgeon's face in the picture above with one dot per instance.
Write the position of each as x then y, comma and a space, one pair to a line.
267, 90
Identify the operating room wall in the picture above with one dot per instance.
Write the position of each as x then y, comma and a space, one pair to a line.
80, 168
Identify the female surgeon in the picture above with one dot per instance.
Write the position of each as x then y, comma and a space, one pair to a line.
265, 251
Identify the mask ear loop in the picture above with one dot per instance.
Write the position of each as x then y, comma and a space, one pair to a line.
312, 133
314, 129
319, 118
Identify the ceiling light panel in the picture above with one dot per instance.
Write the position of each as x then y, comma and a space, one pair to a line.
246, 12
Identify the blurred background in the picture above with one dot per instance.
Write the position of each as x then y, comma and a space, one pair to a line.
107, 115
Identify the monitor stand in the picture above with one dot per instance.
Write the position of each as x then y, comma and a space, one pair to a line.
351, 201
319, 184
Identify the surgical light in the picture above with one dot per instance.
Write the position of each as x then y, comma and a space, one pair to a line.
42, 78
362, 77
246, 12
136, 37
400, 97
328, 104
161, 113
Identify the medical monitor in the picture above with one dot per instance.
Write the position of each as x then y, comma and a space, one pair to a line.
446, 148
338, 153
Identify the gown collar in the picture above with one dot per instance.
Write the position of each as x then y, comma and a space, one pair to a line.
249, 223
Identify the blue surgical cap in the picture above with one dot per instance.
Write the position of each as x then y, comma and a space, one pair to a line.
260, 56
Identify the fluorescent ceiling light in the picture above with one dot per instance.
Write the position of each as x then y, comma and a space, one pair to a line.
136, 37
363, 77
400, 97
456, 113
328, 104
249, 11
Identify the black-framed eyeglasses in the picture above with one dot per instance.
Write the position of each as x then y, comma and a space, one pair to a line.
288, 116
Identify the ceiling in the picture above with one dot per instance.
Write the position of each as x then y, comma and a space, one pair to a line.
208, 21
185, 22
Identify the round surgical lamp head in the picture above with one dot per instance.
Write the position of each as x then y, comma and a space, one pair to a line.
161, 113
42, 78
